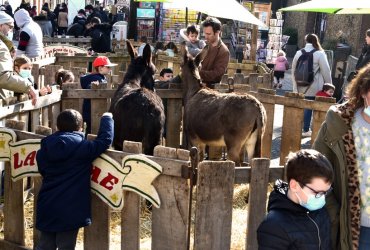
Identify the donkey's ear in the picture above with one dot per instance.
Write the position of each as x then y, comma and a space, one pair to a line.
184, 52
200, 57
147, 54
130, 49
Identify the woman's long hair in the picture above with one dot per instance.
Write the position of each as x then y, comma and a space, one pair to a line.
359, 87
312, 38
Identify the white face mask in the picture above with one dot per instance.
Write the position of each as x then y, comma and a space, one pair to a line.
367, 108
10, 35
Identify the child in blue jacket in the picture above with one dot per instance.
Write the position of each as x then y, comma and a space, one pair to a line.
102, 67
64, 161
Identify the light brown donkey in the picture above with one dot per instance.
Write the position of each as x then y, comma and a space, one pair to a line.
216, 119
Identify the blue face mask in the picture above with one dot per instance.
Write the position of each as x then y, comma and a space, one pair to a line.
25, 73
312, 203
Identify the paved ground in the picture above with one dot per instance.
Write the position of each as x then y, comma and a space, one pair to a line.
278, 119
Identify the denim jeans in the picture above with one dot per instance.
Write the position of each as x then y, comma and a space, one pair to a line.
364, 238
307, 115
60, 240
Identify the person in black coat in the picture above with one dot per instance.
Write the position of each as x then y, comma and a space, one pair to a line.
100, 37
365, 55
363, 59
64, 161
297, 218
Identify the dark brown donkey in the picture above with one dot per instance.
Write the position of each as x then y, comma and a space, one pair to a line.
216, 119
138, 111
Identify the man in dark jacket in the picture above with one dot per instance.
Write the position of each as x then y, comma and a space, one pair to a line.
100, 37
297, 218
64, 161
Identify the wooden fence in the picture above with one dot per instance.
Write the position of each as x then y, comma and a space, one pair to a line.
171, 222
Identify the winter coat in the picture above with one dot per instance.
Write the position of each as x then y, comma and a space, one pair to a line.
86, 105
322, 94
64, 161
336, 141
288, 225
63, 20
281, 64
34, 46
76, 30
100, 38
364, 57
215, 63
8, 81
320, 67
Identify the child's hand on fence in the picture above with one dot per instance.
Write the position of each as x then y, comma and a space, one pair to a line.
44, 91
96, 83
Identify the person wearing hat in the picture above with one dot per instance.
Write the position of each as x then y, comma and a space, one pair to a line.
30, 38
102, 67
10, 82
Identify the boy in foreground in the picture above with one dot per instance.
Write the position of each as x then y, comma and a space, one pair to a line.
297, 218
64, 161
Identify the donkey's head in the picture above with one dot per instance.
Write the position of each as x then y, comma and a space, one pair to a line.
141, 70
190, 66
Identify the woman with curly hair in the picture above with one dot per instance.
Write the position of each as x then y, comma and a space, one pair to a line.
344, 138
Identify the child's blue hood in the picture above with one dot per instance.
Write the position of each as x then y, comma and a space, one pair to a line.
61, 145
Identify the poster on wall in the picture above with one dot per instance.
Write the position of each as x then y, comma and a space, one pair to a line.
264, 13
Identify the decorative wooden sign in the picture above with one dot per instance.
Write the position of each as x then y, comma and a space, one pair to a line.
108, 177
64, 48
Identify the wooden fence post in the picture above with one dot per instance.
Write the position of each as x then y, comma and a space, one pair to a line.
257, 199
269, 130
253, 81
130, 215
292, 128
170, 221
70, 103
173, 122
98, 107
13, 200
267, 81
213, 211
97, 235
40, 130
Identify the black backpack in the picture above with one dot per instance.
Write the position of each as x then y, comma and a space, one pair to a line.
303, 73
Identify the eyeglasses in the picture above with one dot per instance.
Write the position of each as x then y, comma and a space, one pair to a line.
9, 25
319, 194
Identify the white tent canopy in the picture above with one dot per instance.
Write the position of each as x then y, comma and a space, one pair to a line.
229, 9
